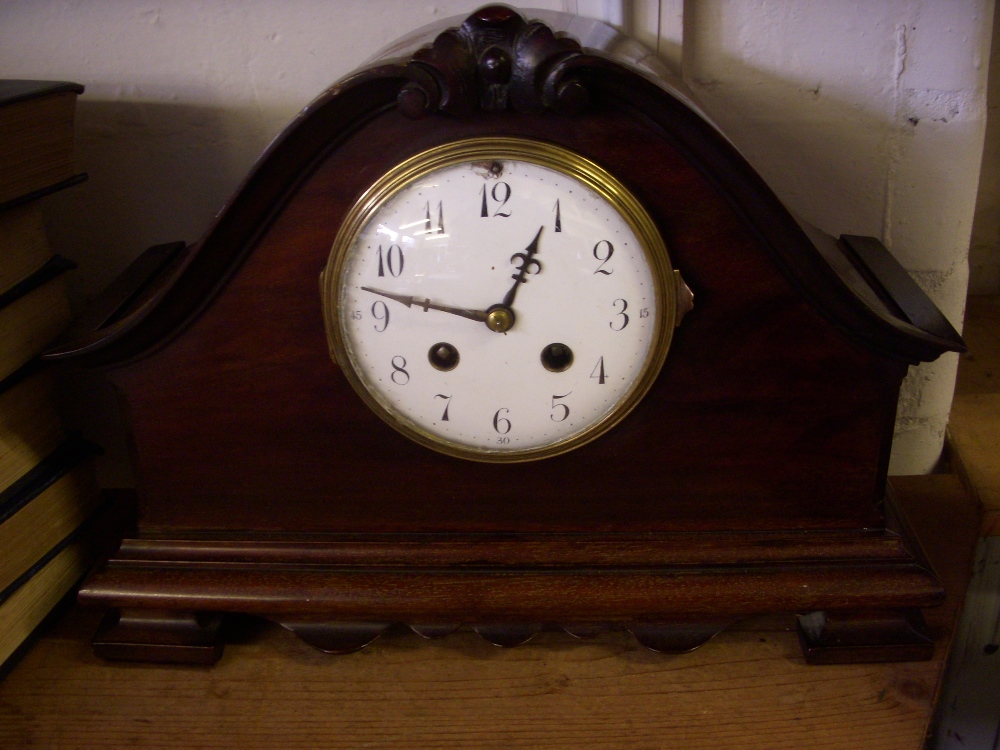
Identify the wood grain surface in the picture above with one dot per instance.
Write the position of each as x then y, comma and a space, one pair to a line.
763, 417
748, 688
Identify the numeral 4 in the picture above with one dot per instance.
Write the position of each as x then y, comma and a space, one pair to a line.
598, 372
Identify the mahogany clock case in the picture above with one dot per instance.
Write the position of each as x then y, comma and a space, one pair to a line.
751, 478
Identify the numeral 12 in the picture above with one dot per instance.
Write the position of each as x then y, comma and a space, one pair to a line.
500, 194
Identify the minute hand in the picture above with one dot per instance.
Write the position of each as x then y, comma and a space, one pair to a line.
426, 304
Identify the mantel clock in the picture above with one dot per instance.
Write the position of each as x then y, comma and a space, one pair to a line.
503, 332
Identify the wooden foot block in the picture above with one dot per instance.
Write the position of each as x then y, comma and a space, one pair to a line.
864, 636
159, 636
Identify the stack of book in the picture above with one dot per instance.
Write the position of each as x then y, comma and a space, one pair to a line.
49, 499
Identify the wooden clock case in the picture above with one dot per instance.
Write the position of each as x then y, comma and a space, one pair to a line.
751, 479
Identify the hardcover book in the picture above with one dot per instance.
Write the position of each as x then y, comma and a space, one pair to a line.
36, 138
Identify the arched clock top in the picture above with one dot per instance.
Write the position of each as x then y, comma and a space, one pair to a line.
496, 65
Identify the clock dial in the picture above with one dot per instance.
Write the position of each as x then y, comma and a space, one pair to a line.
500, 300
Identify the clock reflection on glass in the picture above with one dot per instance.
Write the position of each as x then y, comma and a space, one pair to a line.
500, 299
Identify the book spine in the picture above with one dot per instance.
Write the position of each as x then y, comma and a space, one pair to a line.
54, 267
54, 466
34, 195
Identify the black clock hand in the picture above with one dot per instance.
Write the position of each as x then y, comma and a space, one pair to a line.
528, 262
426, 304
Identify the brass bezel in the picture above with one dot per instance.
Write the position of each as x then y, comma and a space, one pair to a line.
548, 155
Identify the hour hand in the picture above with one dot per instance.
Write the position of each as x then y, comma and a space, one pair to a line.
426, 304
528, 265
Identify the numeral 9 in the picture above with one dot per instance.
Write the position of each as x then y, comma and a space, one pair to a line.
381, 313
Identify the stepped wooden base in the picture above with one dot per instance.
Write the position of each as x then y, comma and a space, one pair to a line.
673, 592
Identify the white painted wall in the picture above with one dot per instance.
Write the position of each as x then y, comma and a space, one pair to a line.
866, 118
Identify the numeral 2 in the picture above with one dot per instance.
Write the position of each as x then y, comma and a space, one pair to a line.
597, 256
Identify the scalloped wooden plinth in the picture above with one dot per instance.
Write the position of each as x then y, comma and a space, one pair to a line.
825, 637
335, 637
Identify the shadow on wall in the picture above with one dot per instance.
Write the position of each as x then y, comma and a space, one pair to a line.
157, 173
825, 160
823, 157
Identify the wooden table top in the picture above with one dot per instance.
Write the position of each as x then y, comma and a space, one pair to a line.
747, 688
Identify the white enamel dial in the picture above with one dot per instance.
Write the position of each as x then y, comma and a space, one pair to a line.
501, 308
